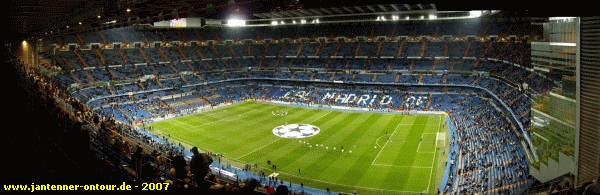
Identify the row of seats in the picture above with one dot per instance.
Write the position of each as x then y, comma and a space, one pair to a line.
77, 58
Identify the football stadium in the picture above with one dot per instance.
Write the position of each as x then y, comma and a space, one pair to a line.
301, 97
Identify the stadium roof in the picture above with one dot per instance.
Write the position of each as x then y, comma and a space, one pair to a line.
36, 17
347, 10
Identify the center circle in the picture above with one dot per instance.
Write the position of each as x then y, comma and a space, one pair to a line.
296, 130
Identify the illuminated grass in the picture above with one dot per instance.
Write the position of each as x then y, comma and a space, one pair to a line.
408, 157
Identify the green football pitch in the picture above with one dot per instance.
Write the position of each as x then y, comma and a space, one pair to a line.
383, 153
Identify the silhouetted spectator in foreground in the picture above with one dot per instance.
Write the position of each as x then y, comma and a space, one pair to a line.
179, 164
282, 190
199, 166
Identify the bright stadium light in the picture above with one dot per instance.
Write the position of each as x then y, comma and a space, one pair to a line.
432, 16
110, 22
566, 19
234, 22
563, 44
274, 23
303, 21
475, 13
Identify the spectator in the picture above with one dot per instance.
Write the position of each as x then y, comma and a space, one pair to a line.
179, 164
282, 190
138, 160
199, 166
271, 190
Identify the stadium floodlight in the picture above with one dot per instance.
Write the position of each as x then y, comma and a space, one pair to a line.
110, 22
432, 16
274, 23
281, 22
407, 18
234, 22
293, 21
563, 44
303, 21
475, 13
395, 17
566, 19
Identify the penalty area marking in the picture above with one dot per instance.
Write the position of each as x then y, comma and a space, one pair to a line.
437, 133
390, 140
434, 153
419, 146
385, 144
